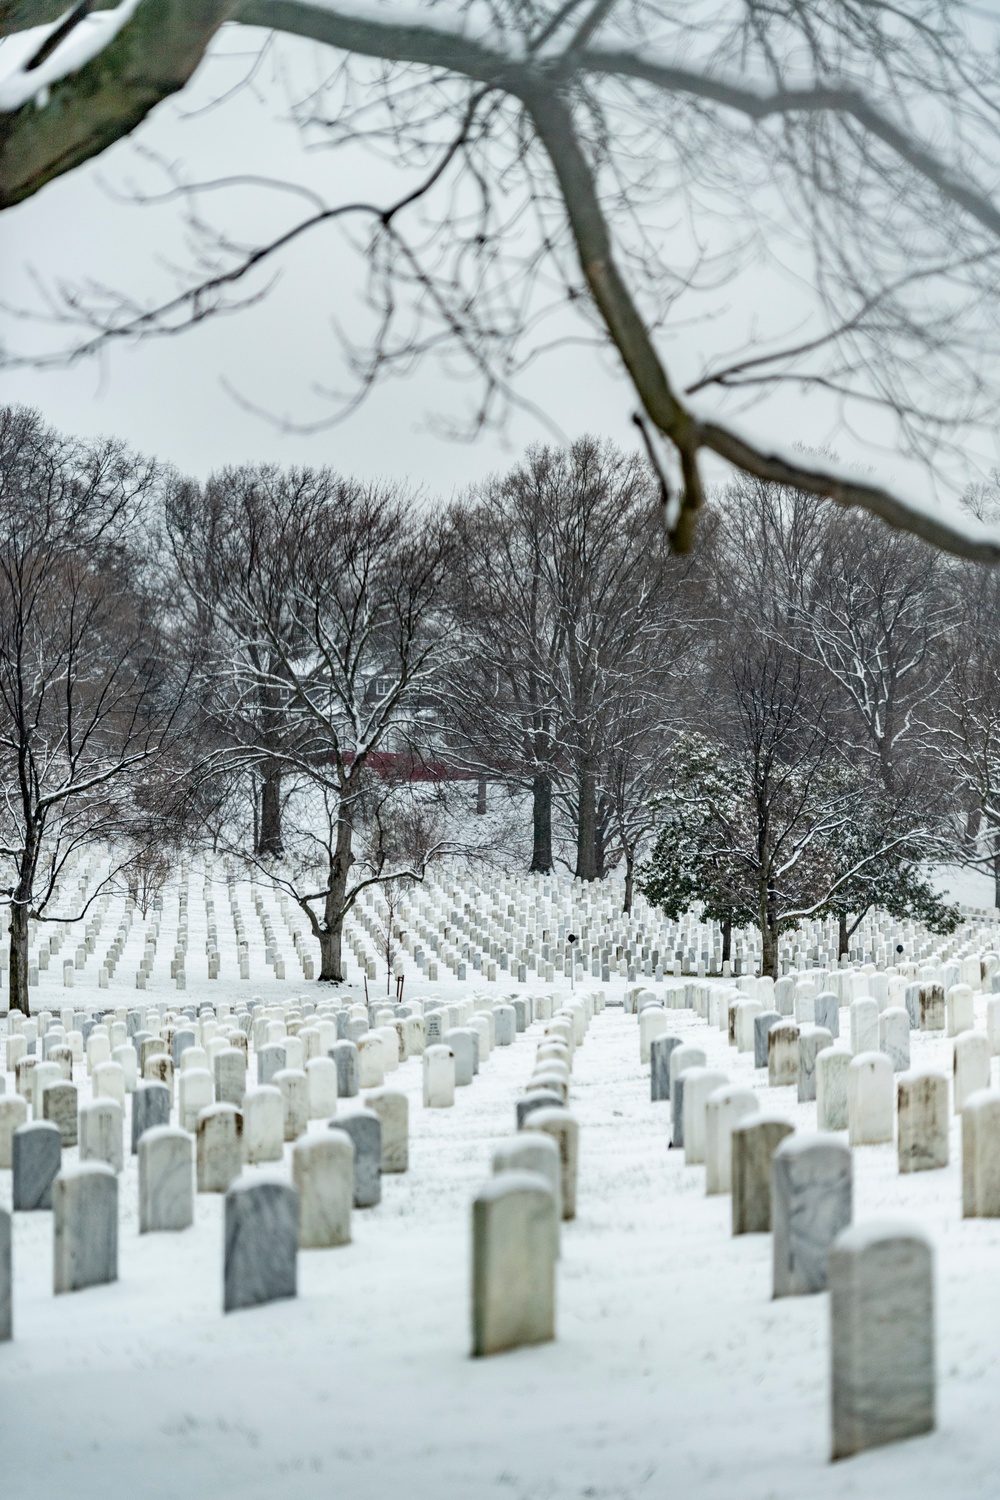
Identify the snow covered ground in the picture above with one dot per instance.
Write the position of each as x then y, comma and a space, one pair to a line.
674, 1373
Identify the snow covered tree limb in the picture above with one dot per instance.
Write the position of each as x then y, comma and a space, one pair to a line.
839, 99
72, 118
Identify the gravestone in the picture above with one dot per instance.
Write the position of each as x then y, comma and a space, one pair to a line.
699, 1083
262, 1241
506, 1025
922, 1113
832, 1065
864, 1026
294, 1087
894, 1037
150, 1106
371, 1061
811, 1202
565, 1131
762, 1023
881, 1336
230, 1071
263, 1124
870, 1101
85, 1226
439, 1077
270, 1060
195, 1092
60, 1104
219, 1138
652, 1023
970, 1067
526, 1107
166, 1180
36, 1158
960, 1012
365, 1130
980, 1156
461, 1040
532, 1151
827, 1011
660, 1050
393, 1110
783, 1055
322, 1075
724, 1109
931, 1001
323, 1174
747, 1012
345, 1055
754, 1141
102, 1133
812, 1041
514, 1243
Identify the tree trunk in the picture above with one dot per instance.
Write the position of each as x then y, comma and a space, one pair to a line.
769, 955
996, 877
481, 796
727, 939
629, 879
19, 957
331, 933
541, 818
844, 943
269, 840
586, 826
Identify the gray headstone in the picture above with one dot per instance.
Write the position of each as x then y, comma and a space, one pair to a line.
270, 1060
183, 1039
150, 1106
826, 1009
102, 1132
262, 1243
521, 1014
345, 1054
85, 1221
881, 1336
762, 1024
660, 1049
166, 1179
754, 1142
365, 1130
60, 1105
356, 1029
506, 1025
36, 1158
541, 1099
342, 1019
677, 1112
811, 1202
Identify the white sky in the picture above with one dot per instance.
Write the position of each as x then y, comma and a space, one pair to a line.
174, 397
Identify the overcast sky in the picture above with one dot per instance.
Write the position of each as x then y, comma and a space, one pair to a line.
182, 398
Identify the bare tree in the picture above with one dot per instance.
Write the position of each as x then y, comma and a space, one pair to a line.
568, 605
795, 129
88, 685
878, 610
356, 641
966, 727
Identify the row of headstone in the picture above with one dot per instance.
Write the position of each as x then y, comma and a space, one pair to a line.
799, 1188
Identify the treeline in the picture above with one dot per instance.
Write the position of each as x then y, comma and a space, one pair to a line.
791, 721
